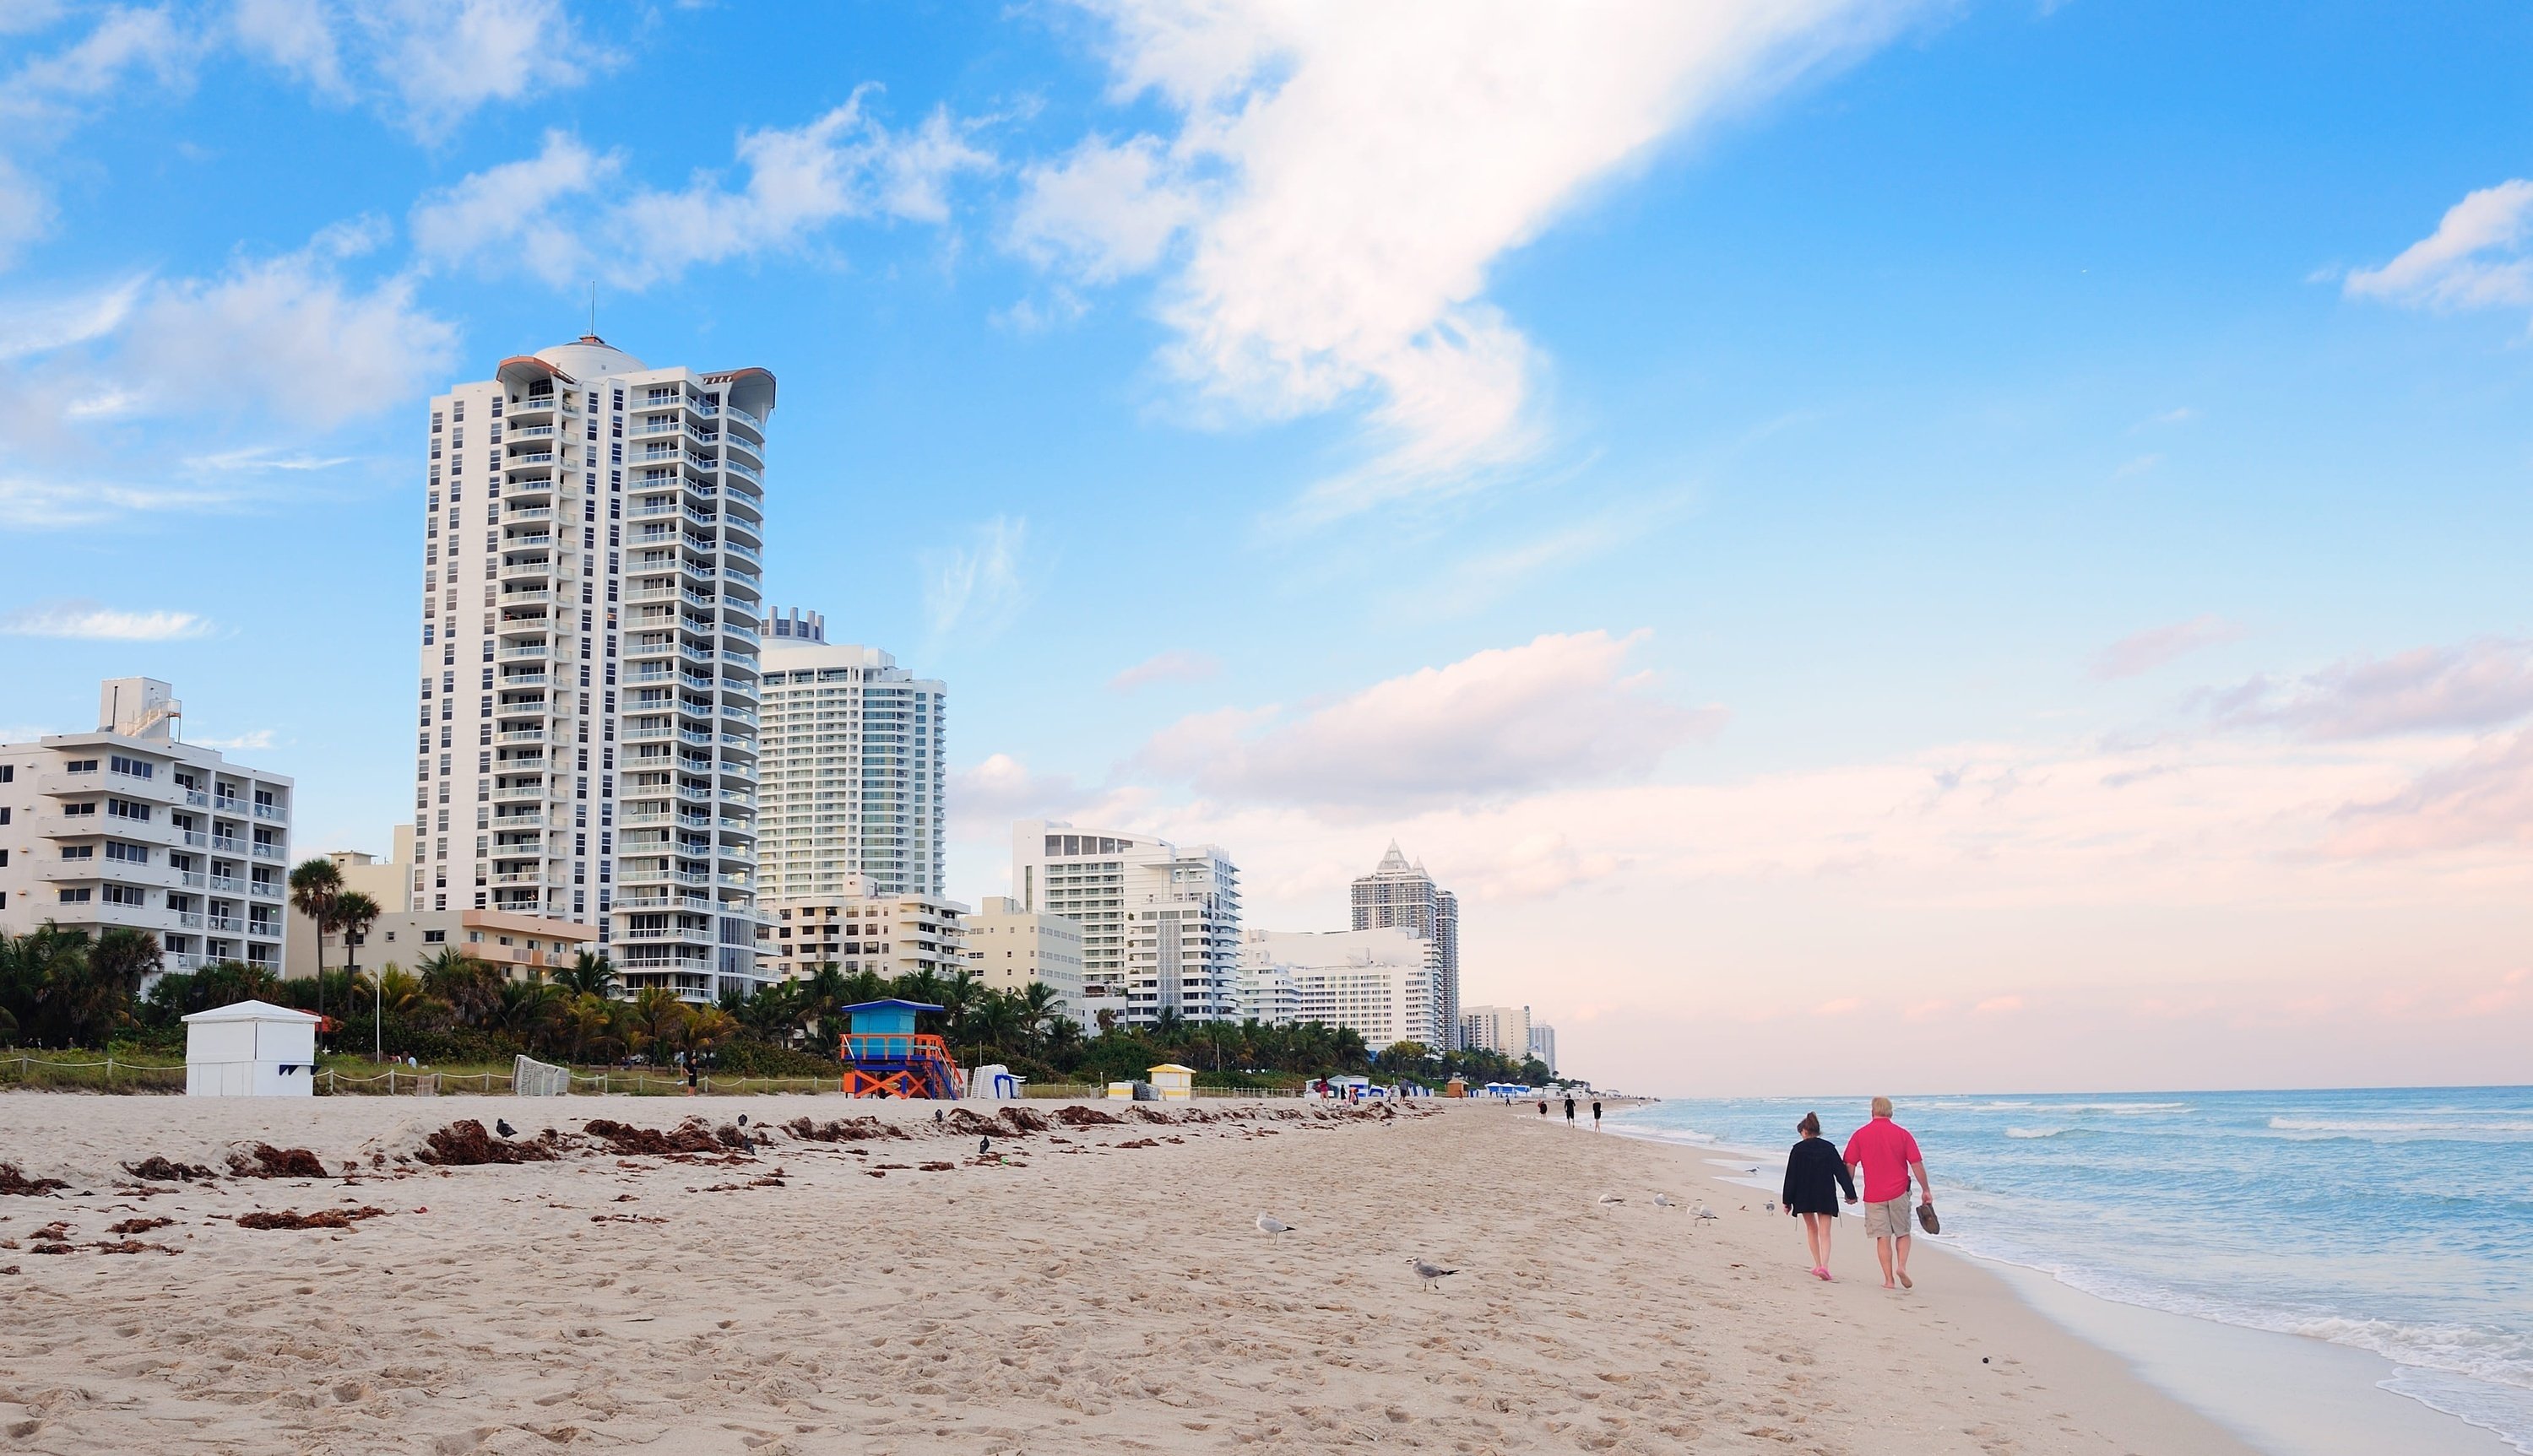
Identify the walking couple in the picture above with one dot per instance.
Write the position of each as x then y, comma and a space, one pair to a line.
1817, 1174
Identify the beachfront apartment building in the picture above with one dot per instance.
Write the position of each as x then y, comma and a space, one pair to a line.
1378, 982
853, 767
1400, 895
587, 740
129, 827
1501, 1030
1543, 1044
862, 927
1008, 948
1161, 925
387, 882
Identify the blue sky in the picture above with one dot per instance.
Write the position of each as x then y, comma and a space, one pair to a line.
1982, 541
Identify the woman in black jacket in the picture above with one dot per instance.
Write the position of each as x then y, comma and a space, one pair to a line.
1815, 1175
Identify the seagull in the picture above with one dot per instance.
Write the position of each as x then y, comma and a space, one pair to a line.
1609, 1199
1663, 1200
1429, 1272
1771, 1205
503, 1126
1266, 1225
1706, 1212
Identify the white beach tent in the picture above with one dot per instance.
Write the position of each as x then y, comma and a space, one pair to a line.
251, 1049
993, 1082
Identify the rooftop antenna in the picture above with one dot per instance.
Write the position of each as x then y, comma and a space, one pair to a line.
593, 308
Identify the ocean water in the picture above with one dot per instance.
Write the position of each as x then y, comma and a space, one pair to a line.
2399, 1222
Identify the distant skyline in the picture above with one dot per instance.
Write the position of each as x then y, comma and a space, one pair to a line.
1876, 546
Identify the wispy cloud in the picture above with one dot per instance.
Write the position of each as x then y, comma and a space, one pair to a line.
1165, 667
256, 741
1322, 236
2475, 258
2142, 651
566, 214
93, 622
429, 63
2427, 689
975, 587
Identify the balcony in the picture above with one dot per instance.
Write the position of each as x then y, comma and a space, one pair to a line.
222, 844
192, 879
228, 803
197, 798
527, 597
528, 571
521, 735
534, 540
193, 837
746, 472
528, 459
528, 513
230, 924
534, 404
190, 919
267, 889
520, 794
518, 823
524, 680
272, 813
271, 851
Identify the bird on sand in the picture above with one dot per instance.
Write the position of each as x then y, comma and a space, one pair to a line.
1268, 1225
742, 1120
1609, 1199
1429, 1272
983, 1145
503, 1126
1706, 1212
1663, 1200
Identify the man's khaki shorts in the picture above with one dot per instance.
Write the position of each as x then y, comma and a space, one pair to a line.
1888, 1220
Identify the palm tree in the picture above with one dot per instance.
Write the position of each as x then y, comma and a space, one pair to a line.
590, 973
315, 886
471, 989
658, 1019
354, 914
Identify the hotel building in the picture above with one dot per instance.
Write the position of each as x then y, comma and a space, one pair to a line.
1008, 948
1378, 982
127, 827
853, 767
1543, 1045
862, 927
1161, 925
1501, 1030
1401, 895
587, 747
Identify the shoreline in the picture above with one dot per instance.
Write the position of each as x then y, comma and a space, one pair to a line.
2283, 1394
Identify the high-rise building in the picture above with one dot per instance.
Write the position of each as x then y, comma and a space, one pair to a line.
1543, 1044
595, 714
860, 927
127, 827
1401, 895
1501, 1030
1161, 925
853, 767
1378, 982
1008, 948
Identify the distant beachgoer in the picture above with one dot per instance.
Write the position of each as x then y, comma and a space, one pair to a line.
1596, 1114
1814, 1177
1569, 1112
1888, 1157
1542, 1107
692, 1071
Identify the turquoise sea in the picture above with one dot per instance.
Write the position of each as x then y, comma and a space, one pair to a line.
2398, 1222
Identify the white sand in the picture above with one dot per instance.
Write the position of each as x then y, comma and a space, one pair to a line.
1089, 1299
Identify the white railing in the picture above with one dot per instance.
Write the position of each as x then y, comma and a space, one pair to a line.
192, 879
266, 888
273, 812
271, 851
190, 919
224, 845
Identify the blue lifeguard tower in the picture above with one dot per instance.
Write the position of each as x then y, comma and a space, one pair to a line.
886, 1057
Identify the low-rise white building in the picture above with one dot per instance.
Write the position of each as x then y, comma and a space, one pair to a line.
1009, 947
1378, 982
1501, 1030
861, 928
127, 827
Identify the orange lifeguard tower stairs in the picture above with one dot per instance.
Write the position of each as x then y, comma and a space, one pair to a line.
884, 1055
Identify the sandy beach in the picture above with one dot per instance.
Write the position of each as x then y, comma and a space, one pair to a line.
1099, 1288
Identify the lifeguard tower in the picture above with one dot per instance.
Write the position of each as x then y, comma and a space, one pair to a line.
886, 1057
1174, 1083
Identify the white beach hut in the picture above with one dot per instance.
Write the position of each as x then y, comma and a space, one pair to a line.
993, 1082
251, 1049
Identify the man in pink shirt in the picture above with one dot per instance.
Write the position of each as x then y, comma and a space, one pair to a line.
1886, 1157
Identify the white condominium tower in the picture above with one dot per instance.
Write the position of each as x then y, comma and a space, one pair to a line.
1401, 895
127, 827
1161, 925
588, 727
853, 767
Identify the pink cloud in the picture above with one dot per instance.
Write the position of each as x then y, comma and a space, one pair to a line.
2427, 689
2142, 651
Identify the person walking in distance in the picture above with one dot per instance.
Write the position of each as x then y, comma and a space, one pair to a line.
1888, 1158
1569, 1112
1596, 1114
1815, 1176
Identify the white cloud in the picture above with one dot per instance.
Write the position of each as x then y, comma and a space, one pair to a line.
2474, 259
261, 738
2425, 690
125, 44
2142, 651
432, 62
1002, 788
1559, 710
976, 586
93, 622
557, 215
1341, 178
1166, 666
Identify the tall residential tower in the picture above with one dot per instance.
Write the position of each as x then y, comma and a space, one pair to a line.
854, 765
588, 747
1161, 925
1401, 895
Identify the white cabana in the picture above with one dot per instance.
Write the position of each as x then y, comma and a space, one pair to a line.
251, 1049
993, 1082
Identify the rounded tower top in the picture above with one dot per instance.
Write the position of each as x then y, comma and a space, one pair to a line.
590, 357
